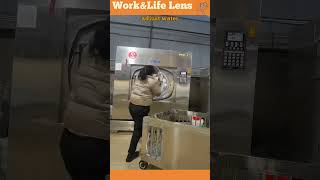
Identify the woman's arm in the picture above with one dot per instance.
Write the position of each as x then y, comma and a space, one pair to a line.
156, 87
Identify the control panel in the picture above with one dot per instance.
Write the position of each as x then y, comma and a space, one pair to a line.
183, 78
234, 51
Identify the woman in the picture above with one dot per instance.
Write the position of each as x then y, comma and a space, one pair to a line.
144, 89
85, 141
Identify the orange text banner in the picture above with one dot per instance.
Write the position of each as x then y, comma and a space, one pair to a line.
160, 175
160, 7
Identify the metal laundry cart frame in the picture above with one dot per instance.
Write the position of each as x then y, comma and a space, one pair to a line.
181, 146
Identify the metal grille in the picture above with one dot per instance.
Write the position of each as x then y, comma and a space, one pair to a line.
154, 144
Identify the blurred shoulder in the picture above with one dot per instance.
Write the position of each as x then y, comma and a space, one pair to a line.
93, 71
152, 80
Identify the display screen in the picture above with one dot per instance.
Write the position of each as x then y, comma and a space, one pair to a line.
235, 36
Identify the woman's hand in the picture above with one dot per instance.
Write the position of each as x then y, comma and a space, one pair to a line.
156, 76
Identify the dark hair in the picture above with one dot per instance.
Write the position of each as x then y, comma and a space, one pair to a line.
145, 71
100, 42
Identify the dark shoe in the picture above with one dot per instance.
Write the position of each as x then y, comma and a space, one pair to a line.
132, 157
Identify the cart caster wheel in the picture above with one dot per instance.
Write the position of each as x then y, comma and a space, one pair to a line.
143, 165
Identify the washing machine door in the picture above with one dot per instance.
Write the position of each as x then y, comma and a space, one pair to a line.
167, 79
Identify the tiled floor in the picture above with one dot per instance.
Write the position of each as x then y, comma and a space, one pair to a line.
119, 144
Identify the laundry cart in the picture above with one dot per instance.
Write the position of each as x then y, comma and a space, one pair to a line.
170, 141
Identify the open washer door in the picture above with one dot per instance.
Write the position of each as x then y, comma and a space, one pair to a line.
167, 83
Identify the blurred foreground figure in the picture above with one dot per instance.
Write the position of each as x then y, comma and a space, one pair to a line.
85, 141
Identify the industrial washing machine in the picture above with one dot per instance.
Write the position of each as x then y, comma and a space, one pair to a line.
170, 141
259, 130
175, 69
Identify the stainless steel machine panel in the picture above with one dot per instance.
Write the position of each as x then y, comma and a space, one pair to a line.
233, 76
303, 92
158, 57
199, 90
175, 70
